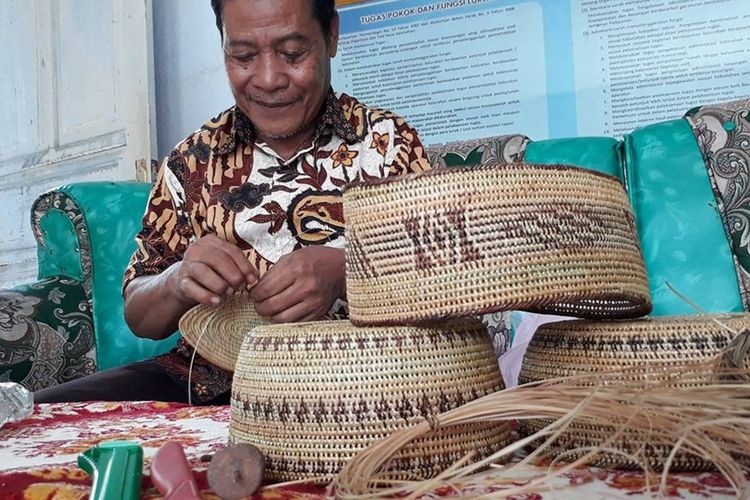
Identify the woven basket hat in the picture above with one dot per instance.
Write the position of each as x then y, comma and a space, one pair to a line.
462, 241
216, 332
311, 395
661, 345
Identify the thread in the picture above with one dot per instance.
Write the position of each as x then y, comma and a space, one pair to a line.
698, 308
192, 358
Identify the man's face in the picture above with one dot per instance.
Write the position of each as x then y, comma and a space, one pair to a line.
278, 62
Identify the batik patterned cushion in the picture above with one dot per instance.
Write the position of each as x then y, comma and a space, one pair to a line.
723, 134
46, 333
494, 150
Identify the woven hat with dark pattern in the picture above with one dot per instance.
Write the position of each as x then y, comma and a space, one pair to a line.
462, 241
642, 351
311, 395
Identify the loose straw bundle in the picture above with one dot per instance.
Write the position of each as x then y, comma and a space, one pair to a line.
709, 421
658, 344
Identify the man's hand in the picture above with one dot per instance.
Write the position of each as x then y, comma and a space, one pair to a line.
302, 285
211, 269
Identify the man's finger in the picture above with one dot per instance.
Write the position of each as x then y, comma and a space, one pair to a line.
206, 277
246, 268
279, 302
222, 263
294, 314
275, 281
227, 260
312, 316
195, 292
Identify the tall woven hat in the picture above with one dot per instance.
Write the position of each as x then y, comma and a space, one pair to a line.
311, 395
661, 345
461, 241
216, 332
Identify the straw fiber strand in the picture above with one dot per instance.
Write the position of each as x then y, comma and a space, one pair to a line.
225, 326
312, 395
462, 241
711, 421
659, 345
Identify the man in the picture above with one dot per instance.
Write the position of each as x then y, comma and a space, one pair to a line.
252, 200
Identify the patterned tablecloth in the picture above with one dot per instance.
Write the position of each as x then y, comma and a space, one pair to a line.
38, 455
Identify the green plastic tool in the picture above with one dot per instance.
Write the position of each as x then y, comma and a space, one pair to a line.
116, 468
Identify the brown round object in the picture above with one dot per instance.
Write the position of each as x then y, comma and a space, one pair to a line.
236, 471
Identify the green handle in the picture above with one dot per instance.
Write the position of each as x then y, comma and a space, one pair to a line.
116, 469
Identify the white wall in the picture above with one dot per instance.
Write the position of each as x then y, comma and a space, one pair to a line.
191, 85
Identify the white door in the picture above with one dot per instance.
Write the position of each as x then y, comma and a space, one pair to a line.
76, 96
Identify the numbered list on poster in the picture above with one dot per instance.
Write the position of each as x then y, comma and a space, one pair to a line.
454, 76
644, 62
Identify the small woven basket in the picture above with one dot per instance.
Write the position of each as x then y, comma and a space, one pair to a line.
216, 332
311, 395
462, 241
662, 345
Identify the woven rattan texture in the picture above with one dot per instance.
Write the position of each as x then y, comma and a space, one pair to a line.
659, 344
463, 241
225, 326
311, 395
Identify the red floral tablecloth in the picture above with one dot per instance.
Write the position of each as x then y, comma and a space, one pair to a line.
38, 455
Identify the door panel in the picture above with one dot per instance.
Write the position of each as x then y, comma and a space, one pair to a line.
87, 104
19, 93
75, 104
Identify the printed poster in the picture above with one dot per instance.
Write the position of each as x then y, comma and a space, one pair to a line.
548, 68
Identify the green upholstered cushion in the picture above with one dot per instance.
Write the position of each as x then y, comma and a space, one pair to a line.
681, 231
112, 212
601, 154
682, 235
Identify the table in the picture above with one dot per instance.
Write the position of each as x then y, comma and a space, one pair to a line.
38, 455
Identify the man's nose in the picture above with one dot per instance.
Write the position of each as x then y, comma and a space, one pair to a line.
269, 74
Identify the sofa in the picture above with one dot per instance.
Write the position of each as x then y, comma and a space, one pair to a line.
688, 180
69, 323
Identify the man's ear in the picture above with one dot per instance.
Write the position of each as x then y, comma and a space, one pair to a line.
333, 41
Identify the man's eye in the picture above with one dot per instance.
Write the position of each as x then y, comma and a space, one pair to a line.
242, 58
292, 56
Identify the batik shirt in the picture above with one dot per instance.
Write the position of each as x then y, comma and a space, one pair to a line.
221, 180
